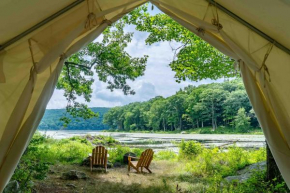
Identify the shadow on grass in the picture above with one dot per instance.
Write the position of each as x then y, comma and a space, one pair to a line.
98, 181
184, 177
119, 187
101, 186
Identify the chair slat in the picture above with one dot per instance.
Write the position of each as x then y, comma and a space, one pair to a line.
94, 156
99, 156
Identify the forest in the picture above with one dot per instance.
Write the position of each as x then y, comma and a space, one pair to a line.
52, 120
216, 106
211, 105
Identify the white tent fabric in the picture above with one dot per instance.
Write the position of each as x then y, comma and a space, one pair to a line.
32, 65
29, 68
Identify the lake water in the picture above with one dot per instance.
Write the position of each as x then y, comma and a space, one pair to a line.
168, 141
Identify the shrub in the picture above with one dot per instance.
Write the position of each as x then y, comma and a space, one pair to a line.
205, 131
210, 162
110, 140
32, 164
165, 155
104, 140
80, 139
190, 148
67, 151
256, 183
242, 121
117, 153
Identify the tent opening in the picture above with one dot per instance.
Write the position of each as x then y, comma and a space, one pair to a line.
31, 63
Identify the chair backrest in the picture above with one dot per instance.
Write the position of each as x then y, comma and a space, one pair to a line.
145, 158
99, 155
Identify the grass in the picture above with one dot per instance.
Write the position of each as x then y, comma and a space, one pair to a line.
115, 180
201, 173
194, 169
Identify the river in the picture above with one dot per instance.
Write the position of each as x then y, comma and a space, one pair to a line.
168, 141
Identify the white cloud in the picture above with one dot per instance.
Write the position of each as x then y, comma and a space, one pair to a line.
157, 81
57, 100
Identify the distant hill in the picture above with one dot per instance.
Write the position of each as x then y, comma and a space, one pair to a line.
50, 120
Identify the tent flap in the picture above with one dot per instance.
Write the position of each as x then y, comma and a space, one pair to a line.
31, 70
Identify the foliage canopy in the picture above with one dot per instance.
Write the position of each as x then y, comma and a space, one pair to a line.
194, 59
212, 105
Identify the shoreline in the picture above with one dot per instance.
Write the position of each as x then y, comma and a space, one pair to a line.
167, 141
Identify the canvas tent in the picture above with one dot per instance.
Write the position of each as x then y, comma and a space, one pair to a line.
36, 36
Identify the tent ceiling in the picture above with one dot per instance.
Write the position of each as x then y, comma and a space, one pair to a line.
31, 13
272, 19
25, 14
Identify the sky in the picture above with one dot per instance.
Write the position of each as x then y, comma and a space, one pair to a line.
158, 79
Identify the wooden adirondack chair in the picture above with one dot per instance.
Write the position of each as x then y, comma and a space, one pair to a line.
144, 161
99, 157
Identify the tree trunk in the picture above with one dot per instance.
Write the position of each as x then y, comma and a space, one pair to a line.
213, 124
272, 168
212, 117
197, 123
202, 123
180, 123
164, 124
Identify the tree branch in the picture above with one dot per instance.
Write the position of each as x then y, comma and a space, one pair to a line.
78, 65
176, 49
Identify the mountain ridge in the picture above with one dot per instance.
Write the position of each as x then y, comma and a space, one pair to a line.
51, 120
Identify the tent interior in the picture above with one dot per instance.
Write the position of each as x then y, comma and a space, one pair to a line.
36, 37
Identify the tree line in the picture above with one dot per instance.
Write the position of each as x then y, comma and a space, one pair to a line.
211, 105
51, 120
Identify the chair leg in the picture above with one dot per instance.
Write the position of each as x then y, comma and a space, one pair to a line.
91, 167
147, 168
131, 165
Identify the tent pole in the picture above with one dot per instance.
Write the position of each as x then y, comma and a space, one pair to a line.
245, 23
40, 24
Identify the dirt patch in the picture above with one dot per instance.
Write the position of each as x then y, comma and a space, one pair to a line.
116, 180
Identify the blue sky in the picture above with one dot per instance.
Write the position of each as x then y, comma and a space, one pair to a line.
158, 79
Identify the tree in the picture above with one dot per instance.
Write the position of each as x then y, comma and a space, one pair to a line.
200, 113
191, 107
213, 99
194, 59
195, 110
237, 99
157, 114
176, 108
242, 121
109, 60
254, 119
